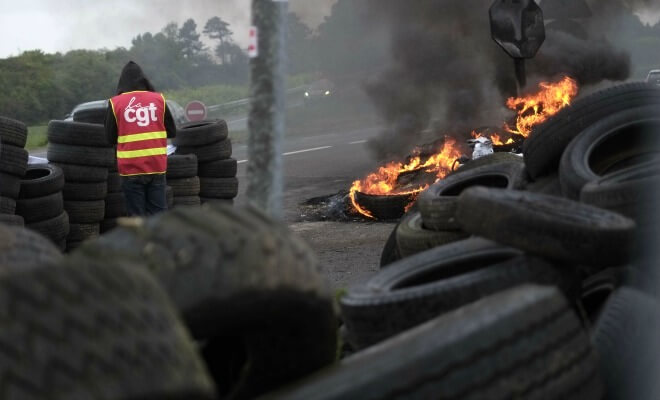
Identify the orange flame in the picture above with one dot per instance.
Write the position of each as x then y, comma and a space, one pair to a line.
536, 108
384, 181
532, 110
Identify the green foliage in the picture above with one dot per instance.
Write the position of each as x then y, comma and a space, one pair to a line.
37, 137
209, 95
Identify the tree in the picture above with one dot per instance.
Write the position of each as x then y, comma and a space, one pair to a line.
189, 39
218, 29
298, 43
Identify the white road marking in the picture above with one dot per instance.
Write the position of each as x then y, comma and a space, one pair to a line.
358, 142
306, 151
295, 152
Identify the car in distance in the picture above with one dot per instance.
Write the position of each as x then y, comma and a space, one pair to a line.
653, 77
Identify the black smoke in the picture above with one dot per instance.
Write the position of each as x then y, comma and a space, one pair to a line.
446, 68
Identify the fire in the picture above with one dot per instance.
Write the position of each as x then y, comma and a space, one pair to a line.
385, 180
536, 108
531, 110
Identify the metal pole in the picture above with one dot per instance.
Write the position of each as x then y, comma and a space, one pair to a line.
267, 111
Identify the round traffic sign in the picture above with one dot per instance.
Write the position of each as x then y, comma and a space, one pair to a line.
195, 111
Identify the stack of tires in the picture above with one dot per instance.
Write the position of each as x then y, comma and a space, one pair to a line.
82, 152
209, 141
13, 162
577, 213
41, 204
182, 179
115, 202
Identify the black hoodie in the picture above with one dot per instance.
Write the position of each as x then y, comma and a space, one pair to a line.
132, 78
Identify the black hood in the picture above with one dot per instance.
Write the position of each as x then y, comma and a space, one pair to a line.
132, 78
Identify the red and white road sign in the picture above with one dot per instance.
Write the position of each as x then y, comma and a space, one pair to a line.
253, 44
195, 111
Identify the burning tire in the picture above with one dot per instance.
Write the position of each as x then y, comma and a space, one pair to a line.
438, 203
548, 226
389, 207
525, 342
418, 288
624, 139
543, 149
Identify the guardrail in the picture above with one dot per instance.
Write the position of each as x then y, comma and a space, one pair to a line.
238, 104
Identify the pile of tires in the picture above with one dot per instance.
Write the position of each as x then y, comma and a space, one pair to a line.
13, 163
249, 291
82, 151
115, 202
573, 218
41, 204
182, 179
209, 141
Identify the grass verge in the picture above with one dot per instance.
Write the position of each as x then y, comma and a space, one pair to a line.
37, 137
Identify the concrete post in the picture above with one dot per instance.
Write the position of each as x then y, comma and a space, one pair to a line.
267, 111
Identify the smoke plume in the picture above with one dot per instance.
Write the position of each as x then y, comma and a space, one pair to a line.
445, 67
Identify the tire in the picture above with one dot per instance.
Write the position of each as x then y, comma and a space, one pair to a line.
22, 250
390, 253
82, 173
211, 152
195, 134
13, 160
491, 159
91, 116
117, 318
82, 232
207, 200
625, 338
385, 207
438, 203
11, 220
243, 284
85, 212
10, 185
184, 187
419, 288
56, 229
114, 182
412, 237
115, 205
523, 343
547, 226
597, 288
81, 155
632, 192
544, 148
218, 188
13, 132
40, 208
41, 180
7, 205
219, 169
614, 143
548, 184
88, 191
186, 201
181, 166
108, 225
77, 134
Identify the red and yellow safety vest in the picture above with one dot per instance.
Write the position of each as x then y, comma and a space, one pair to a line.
141, 134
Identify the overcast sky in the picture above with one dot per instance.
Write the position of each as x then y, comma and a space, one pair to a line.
83, 24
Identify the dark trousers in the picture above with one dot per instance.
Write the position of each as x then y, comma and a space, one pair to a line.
145, 194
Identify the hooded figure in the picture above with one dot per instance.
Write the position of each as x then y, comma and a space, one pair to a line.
139, 123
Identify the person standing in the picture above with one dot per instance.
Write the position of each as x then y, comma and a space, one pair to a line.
140, 123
